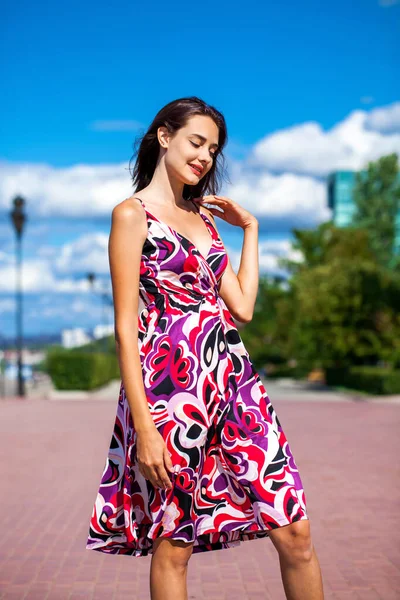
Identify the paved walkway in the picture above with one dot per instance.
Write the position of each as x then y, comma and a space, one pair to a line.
52, 456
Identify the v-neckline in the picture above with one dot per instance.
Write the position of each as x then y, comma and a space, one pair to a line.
184, 237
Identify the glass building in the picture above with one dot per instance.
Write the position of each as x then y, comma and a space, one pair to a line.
341, 201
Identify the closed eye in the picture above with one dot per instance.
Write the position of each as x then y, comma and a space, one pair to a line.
198, 146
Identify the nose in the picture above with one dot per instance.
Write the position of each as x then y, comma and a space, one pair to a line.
204, 157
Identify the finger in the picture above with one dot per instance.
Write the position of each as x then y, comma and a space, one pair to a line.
213, 205
155, 479
151, 475
209, 198
167, 461
212, 199
216, 211
163, 476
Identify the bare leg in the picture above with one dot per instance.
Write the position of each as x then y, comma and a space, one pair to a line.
301, 573
168, 569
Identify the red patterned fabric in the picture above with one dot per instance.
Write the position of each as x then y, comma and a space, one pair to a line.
237, 476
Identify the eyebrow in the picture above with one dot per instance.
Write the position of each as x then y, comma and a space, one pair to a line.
203, 139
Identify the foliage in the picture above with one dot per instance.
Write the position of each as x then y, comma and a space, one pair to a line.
340, 307
377, 199
265, 337
105, 344
347, 313
77, 370
373, 380
283, 371
345, 304
325, 243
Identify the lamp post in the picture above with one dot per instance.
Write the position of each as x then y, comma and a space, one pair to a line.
18, 218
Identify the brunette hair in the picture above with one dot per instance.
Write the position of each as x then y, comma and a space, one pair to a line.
174, 116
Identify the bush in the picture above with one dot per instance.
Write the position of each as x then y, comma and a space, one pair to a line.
298, 372
76, 370
374, 380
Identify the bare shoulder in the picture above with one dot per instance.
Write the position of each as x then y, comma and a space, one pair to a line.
129, 209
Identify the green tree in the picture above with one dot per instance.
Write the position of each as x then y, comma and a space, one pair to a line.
347, 313
377, 199
344, 306
264, 337
323, 244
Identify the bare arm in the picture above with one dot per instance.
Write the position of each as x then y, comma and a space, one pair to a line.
239, 292
127, 236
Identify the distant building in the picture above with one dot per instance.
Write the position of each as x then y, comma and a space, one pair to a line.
101, 331
341, 201
73, 338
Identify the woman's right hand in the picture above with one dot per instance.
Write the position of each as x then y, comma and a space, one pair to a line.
153, 458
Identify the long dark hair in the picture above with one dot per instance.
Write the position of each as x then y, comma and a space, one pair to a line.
175, 115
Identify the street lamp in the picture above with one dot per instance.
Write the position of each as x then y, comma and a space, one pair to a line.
18, 218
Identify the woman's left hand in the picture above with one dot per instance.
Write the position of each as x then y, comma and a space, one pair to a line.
232, 213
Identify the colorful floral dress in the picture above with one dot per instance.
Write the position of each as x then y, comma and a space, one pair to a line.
237, 476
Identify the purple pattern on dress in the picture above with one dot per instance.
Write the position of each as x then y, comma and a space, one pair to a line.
237, 477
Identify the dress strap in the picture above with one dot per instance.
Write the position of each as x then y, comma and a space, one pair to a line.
142, 203
206, 218
199, 211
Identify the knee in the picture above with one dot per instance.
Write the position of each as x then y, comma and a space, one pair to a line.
294, 543
173, 554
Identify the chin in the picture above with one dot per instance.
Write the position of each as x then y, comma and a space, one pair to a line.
192, 181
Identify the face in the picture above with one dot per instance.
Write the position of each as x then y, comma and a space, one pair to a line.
195, 144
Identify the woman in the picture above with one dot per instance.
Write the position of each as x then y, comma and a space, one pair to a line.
198, 460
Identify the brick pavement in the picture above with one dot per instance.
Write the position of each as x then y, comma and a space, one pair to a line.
52, 456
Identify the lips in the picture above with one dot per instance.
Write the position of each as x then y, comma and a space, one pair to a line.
197, 169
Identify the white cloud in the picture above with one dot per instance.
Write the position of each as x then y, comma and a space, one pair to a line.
385, 120
282, 177
66, 192
308, 149
81, 190
60, 269
6, 258
38, 275
388, 3
64, 310
51, 277
87, 253
281, 181
79, 306
289, 197
269, 254
47, 251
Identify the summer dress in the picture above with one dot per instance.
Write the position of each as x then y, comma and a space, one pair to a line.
238, 478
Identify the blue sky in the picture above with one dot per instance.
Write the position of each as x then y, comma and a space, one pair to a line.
305, 89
